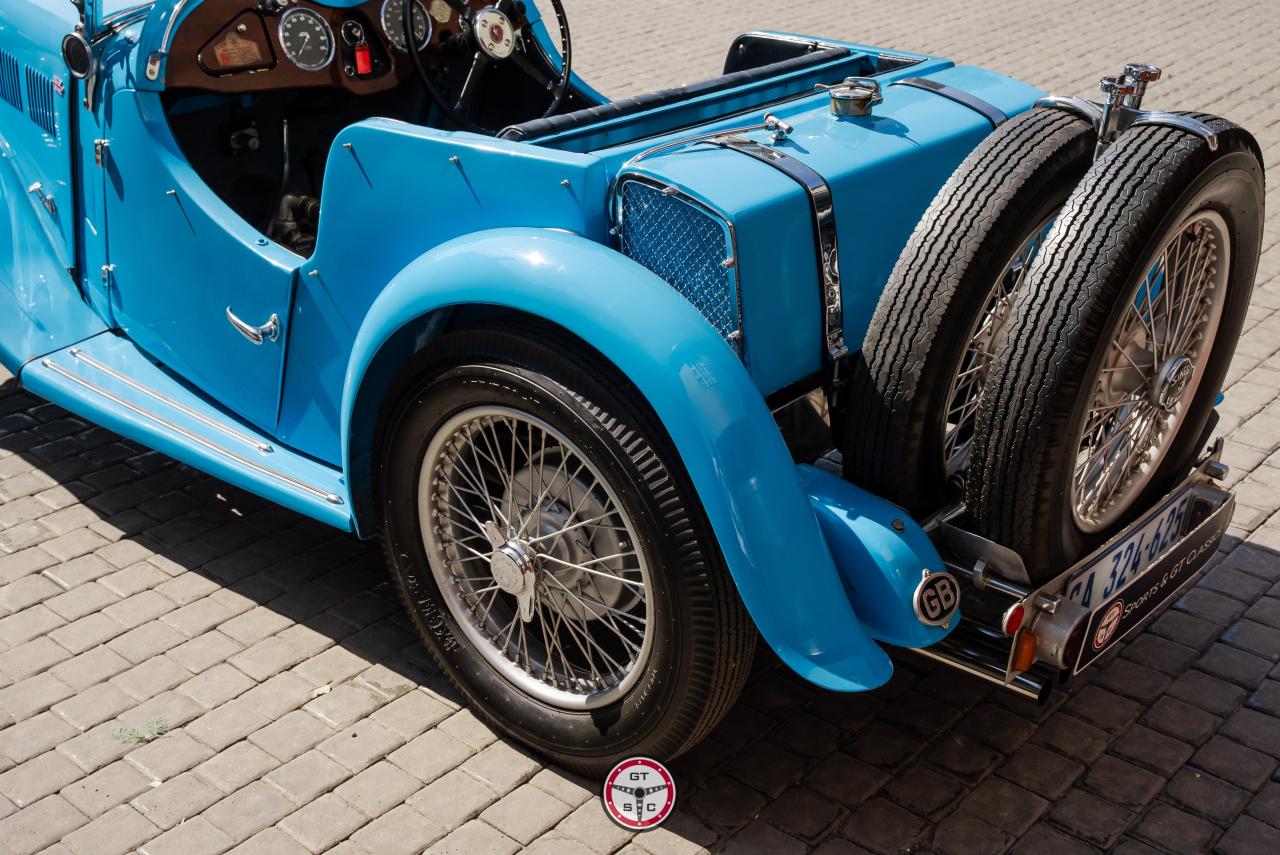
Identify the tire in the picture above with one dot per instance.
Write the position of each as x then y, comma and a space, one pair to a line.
915, 385
1076, 376
673, 643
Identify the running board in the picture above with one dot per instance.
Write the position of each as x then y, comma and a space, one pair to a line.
109, 381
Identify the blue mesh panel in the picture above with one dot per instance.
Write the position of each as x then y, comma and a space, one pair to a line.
687, 247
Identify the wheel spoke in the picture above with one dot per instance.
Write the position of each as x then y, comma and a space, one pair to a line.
1170, 319
591, 636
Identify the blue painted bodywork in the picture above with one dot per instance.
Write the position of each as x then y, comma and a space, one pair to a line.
139, 264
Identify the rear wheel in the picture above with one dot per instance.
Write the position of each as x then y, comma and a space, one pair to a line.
1100, 393
554, 556
925, 359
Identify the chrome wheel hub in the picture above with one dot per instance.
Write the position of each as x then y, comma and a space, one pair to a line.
1151, 370
1172, 381
535, 557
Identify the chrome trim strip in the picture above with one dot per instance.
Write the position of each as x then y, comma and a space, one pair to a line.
187, 411
989, 111
822, 205
331, 498
153, 61
735, 339
113, 24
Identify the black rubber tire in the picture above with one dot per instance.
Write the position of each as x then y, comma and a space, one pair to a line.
901, 381
1018, 486
704, 638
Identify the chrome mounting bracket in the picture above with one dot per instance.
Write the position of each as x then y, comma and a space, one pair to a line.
1123, 108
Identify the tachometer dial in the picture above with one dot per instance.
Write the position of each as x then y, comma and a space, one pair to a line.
393, 23
307, 39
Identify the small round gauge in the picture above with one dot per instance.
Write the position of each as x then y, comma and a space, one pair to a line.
393, 23
306, 38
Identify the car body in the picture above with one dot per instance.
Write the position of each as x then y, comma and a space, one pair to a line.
133, 293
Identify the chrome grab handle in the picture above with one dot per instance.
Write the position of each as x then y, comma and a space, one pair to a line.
166, 41
46, 199
270, 331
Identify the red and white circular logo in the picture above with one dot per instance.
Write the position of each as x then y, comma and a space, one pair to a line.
639, 794
1108, 626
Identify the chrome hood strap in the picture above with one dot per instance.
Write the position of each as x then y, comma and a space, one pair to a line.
822, 207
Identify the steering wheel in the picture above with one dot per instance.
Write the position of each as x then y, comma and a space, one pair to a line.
497, 35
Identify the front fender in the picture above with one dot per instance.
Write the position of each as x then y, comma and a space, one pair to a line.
712, 412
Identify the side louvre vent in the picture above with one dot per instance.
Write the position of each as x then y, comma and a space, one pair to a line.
687, 245
41, 102
10, 82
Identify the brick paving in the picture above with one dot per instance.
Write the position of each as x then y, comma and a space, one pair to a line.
187, 669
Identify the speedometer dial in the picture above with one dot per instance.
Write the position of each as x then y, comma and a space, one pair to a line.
307, 39
393, 23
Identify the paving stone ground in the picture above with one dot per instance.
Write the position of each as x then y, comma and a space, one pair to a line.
165, 639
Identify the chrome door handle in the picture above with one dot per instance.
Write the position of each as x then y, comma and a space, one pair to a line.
46, 199
270, 331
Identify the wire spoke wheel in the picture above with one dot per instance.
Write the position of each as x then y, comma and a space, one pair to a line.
975, 365
1150, 372
536, 557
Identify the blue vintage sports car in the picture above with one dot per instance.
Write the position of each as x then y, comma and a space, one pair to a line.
812, 351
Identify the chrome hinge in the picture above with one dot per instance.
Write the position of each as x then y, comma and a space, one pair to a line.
108, 274
100, 151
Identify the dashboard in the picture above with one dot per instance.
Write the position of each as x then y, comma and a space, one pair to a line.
255, 45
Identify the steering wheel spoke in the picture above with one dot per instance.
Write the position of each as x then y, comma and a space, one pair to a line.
471, 86
521, 61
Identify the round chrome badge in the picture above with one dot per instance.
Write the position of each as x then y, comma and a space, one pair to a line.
936, 599
639, 794
495, 34
1108, 625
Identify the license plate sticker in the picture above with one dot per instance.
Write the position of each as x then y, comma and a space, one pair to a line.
1124, 562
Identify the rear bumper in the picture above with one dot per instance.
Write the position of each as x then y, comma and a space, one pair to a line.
1066, 634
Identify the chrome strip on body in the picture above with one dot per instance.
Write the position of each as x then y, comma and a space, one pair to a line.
331, 498
822, 206
989, 111
203, 419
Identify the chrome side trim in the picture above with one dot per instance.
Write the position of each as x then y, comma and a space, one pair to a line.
113, 24
80, 355
331, 498
822, 206
989, 111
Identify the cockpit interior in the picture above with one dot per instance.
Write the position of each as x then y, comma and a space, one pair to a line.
256, 91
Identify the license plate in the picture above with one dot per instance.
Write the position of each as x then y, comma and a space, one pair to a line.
1122, 564
1190, 525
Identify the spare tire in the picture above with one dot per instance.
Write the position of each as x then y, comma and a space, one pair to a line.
1117, 348
915, 385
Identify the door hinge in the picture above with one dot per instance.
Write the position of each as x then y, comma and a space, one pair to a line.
108, 274
100, 151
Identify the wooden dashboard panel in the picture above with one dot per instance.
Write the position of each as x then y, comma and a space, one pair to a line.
231, 46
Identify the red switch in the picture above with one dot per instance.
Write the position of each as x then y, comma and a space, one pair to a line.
364, 61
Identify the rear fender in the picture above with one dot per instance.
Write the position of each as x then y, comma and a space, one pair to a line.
711, 410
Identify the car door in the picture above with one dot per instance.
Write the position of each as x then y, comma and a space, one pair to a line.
192, 284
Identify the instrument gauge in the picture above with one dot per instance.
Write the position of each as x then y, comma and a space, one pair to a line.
307, 39
393, 24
